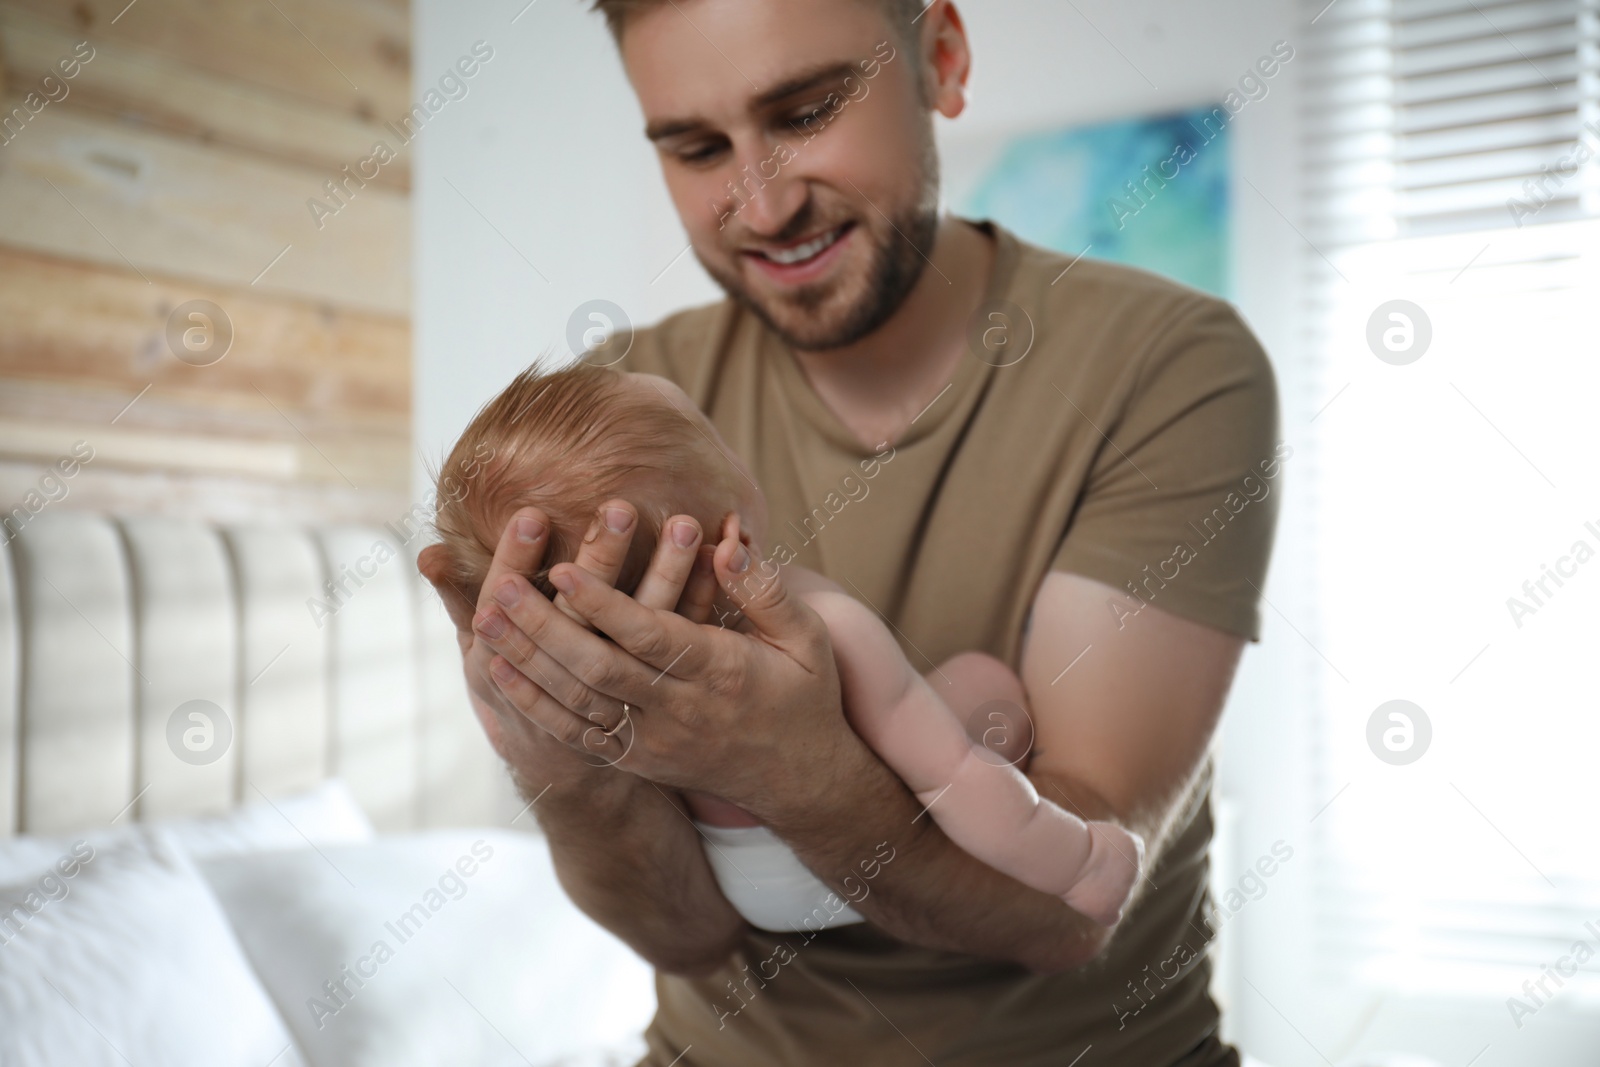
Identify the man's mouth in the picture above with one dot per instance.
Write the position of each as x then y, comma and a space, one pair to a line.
794, 255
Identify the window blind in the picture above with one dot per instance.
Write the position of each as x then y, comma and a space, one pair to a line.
1450, 198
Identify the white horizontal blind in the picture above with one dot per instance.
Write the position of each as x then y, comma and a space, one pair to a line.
1450, 163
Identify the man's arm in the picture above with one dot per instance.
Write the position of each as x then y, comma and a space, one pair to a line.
623, 848
1121, 735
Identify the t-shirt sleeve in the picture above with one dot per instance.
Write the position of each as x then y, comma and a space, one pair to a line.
1179, 508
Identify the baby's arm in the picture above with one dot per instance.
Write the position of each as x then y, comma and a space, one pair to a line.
987, 807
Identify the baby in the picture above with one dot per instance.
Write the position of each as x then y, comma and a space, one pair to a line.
567, 440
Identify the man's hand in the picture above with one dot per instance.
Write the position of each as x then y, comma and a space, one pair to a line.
680, 576
751, 715
624, 849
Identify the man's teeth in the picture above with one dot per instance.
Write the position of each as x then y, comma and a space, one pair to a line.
801, 253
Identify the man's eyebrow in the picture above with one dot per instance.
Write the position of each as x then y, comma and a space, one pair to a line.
661, 129
802, 82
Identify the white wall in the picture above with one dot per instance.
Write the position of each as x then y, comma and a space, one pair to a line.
548, 148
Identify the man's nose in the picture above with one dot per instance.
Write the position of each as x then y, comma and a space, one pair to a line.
771, 191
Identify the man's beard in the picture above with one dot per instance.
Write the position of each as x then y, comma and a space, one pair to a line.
897, 255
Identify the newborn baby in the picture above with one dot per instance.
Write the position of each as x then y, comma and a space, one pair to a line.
567, 440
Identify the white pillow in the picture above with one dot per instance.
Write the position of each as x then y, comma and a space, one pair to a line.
127, 958
325, 815
494, 966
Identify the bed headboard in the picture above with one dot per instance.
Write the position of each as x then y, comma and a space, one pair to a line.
325, 651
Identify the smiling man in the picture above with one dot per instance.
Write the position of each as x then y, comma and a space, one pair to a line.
1054, 461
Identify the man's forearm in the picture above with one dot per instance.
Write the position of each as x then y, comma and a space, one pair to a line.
932, 893
629, 858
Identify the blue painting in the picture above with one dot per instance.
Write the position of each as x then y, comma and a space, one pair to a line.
1148, 192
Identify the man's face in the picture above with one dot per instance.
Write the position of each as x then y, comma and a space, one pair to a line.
798, 149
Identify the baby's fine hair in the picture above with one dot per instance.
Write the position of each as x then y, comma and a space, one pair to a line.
566, 440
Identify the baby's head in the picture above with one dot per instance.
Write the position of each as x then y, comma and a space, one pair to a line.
568, 440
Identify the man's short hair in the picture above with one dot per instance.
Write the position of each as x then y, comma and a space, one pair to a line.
902, 14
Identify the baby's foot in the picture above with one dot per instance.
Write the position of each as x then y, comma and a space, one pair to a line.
1106, 881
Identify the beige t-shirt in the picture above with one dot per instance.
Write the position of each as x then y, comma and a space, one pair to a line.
1134, 443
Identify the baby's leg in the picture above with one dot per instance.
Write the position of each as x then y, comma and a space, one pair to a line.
1105, 883
989, 699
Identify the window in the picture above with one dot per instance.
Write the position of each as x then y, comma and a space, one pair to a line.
1451, 197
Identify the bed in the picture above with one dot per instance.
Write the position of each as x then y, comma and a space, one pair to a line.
246, 816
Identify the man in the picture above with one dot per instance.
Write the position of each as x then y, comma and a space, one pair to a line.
1064, 465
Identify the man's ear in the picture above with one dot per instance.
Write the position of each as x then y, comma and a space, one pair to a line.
946, 58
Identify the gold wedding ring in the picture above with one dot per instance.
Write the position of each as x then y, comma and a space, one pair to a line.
620, 723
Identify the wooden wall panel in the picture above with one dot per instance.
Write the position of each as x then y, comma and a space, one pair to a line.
107, 327
200, 496
130, 83
305, 391
352, 56
85, 188
179, 167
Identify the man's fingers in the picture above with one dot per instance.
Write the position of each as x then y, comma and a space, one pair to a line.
515, 700
520, 551
504, 723
701, 591
601, 743
605, 547
674, 561
555, 681
666, 641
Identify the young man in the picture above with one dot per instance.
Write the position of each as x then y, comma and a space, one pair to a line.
1067, 466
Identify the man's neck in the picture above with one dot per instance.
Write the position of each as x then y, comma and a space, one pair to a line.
878, 384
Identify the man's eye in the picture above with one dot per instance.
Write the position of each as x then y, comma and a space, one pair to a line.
700, 154
808, 119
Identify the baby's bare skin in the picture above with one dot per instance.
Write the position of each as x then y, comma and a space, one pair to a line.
967, 682
922, 727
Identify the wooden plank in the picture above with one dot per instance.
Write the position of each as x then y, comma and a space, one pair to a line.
240, 416
49, 441
83, 188
105, 328
353, 55
161, 432
133, 84
362, 462
203, 497
305, 392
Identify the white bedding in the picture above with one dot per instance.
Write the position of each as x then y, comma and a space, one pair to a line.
391, 954
483, 958
120, 954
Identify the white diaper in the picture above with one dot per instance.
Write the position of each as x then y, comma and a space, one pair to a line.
766, 882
